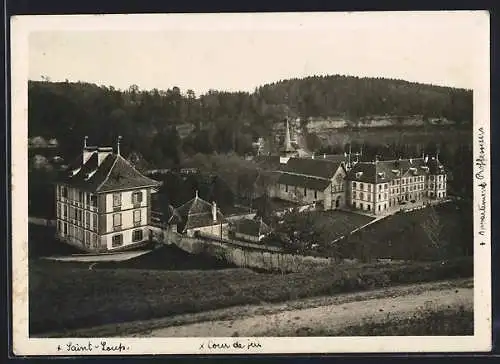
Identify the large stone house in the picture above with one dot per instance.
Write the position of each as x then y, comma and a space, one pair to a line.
378, 186
103, 203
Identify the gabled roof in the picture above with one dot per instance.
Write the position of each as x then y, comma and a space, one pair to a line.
435, 166
312, 183
251, 227
197, 213
113, 174
386, 171
321, 168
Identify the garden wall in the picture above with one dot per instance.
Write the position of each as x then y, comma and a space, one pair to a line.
248, 257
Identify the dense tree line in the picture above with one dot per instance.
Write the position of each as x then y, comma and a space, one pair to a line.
223, 121
356, 97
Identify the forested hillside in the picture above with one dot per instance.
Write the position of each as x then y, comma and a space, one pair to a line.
223, 121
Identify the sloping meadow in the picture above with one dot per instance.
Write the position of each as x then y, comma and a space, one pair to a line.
67, 297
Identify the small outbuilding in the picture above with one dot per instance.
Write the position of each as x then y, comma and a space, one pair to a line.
199, 216
252, 230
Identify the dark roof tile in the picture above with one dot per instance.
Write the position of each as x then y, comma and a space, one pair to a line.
322, 168
386, 171
114, 173
197, 213
312, 183
251, 227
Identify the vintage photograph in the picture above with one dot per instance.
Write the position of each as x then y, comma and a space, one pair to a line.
229, 182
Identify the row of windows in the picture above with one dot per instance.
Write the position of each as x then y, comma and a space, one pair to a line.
117, 218
384, 186
412, 180
79, 216
439, 194
412, 188
136, 198
117, 240
395, 201
84, 236
82, 197
438, 185
368, 207
368, 196
368, 186
90, 199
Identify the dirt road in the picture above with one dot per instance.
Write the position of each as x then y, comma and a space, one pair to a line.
331, 317
295, 317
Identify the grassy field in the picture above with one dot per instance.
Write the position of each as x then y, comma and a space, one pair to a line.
447, 322
404, 236
41, 242
316, 227
68, 297
338, 223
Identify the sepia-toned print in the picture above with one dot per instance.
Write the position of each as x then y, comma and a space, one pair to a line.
251, 183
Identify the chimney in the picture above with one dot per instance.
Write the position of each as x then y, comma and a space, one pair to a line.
102, 153
87, 151
214, 211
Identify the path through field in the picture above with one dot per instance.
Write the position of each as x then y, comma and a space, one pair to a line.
330, 317
296, 317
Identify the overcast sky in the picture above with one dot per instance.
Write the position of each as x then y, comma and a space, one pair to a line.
239, 52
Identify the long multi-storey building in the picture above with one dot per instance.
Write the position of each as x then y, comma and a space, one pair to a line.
344, 181
103, 202
378, 186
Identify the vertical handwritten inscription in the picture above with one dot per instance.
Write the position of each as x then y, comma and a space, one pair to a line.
482, 179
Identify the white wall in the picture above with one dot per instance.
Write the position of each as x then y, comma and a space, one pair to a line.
127, 237
296, 194
126, 200
214, 230
127, 219
368, 195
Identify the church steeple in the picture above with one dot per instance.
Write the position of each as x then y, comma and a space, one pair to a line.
287, 150
288, 140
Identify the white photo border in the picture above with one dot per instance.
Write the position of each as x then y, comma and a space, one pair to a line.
22, 26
